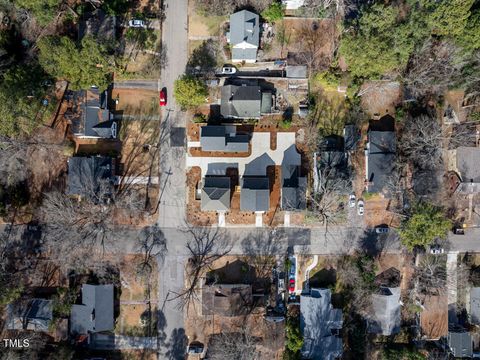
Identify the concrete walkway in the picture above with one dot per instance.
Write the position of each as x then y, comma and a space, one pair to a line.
256, 164
120, 342
452, 286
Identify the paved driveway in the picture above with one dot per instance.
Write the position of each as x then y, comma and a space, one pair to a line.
256, 164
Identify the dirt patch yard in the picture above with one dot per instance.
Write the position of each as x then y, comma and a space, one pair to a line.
203, 25
380, 98
136, 101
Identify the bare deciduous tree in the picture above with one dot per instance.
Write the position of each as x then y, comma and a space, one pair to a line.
424, 140
205, 246
436, 67
431, 275
151, 243
233, 345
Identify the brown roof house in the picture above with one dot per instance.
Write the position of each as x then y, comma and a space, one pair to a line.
226, 300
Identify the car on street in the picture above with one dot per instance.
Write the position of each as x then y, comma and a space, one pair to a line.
360, 207
436, 249
136, 23
163, 97
195, 348
382, 229
228, 70
352, 200
291, 285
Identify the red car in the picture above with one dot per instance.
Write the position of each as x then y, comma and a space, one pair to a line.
163, 97
291, 286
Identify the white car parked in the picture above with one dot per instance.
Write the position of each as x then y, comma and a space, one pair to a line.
229, 70
360, 207
136, 23
352, 200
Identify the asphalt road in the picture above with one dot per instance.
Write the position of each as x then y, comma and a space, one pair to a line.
171, 333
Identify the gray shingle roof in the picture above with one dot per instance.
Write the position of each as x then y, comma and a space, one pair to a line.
380, 158
293, 188
318, 321
96, 312
215, 194
241, 101
223, 138
296, 71
91, 114
475, 305
385, 317
255, 194
35, 314
86, 173
468, 160
239, 54
460, 343
244, 26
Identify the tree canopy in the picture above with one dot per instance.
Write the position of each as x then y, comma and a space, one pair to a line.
274, 12
189, 92
21, 93
83, 66
382, 40
426, 224
44, 11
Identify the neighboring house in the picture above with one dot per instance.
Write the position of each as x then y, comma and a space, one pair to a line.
460, 343
89, 116
95, 314
293, 193
320, 325
223, 138
86, 175
226, 300
244, 36
99, 25
385, 311
245, 101
34, 314
296, 71
255, 194
293, 4
215, 193
475, 305
467, 164
380, 153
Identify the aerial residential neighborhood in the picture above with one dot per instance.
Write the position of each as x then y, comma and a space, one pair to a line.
240, 179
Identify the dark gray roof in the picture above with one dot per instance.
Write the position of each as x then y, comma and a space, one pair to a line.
460, 344
34, 314
475, 305
244, 26
89, 115
318, 323
385, 312
215, 193
293, 188
226, 300
98, 24
380, 158
96, 312
468, 160
255, 194
241, 101
223, 138
85, 174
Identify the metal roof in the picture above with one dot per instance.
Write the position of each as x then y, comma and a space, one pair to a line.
215, 194
255, 194
223, 138
460, 344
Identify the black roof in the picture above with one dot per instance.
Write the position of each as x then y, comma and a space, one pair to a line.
85, 174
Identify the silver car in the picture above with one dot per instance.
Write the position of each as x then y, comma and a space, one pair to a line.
351, 200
